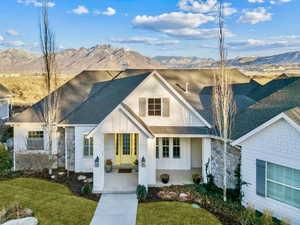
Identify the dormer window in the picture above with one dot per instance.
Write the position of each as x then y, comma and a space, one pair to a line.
154, 107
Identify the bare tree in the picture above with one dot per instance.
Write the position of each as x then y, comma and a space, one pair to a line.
222, 97
50, 102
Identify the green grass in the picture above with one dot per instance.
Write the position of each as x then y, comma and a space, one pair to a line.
173, 213
52, 203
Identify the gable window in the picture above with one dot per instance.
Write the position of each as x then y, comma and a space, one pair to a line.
283, 184
176, 148
88, 146
165, 147
35, 140
154, 107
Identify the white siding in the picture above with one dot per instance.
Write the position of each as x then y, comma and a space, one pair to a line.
280, 144
109, 147
82, 163
179, 114
4, 108
183, 163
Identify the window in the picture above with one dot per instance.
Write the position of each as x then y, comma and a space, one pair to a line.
157, 148
283, 184
154, 107
35, 140
176, 148
88, 146
126, 144
165, 147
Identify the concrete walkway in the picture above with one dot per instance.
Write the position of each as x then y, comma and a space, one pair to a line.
116, 209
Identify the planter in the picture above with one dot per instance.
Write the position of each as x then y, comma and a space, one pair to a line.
196, 178
165, 178
136, 165
108, 166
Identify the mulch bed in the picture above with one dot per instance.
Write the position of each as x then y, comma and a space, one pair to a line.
224, 218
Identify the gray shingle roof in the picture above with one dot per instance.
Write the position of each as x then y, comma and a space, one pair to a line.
4, 92
180, 130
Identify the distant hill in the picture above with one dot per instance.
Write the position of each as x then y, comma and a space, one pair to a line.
73, 61
280, 59
178, 62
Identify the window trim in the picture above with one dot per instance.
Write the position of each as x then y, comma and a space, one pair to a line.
42, 138
278, 183
162, 144
90, 147
161, 106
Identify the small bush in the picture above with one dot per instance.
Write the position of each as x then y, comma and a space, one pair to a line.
5, 160
266, 218
141, 193
86, 189
248, 216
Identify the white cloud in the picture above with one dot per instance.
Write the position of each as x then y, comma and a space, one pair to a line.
8, 43
173, 20
81, 9
256, 1
12, 32
145, 40
208, 6
256, 44
1, 38
273, 2
35, 3
255, 16
109, 12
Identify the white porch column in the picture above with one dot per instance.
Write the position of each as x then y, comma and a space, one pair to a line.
98, 172
151, 158
206, 157
143, 175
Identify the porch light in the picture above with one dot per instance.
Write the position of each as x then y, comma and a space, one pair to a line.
97, 161
143, 162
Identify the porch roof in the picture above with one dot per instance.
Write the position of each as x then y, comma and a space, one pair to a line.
181, 130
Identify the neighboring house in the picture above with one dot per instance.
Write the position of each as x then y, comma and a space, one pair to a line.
5, 102
164, 119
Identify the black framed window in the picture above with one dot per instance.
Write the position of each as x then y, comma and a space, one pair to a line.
88, 146
154, 107
176, 148
165, 147
157, 148
35, 140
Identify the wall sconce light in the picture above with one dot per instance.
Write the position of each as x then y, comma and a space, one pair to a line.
143, 162
97, 162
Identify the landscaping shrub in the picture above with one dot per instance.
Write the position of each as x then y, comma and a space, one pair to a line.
5, 160
266, 218
141, 193
86, 189
248, 216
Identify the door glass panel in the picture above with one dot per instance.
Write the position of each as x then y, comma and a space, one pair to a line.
126, 144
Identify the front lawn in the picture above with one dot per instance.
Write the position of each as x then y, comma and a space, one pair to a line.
52, 203
173, 213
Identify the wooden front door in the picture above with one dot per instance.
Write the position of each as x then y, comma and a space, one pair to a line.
126, 148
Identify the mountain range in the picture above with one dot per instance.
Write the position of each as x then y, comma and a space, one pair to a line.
73, 61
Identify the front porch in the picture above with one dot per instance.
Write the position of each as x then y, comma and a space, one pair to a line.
177, 177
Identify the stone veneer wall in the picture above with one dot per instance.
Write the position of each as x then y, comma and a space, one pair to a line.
61, 147
217, 163
70, 145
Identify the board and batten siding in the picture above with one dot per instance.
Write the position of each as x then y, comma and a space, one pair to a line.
83, 163
182, 163
278, 143
176, 115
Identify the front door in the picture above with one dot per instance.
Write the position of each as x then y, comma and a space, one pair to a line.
126, 148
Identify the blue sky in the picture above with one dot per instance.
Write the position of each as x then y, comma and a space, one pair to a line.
157, 27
